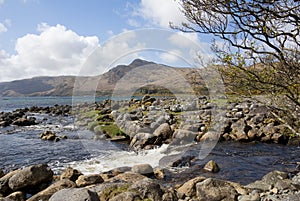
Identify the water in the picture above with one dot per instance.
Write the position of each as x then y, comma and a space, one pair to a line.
21, 147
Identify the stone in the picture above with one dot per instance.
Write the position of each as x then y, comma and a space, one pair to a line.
1, 173
240, 130
189, 188
141, 140
30, 176
4, 188
182, 137
147, 189
126, 196
159, 173
164, 131
25, 121
210, 136
215, 190
143, 169
75, 194
259, 185
15, 196
253, 196
130, 177
86, 180
71, 174
211, 166
273, 177
53, 188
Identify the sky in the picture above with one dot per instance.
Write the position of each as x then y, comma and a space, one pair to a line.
86, 37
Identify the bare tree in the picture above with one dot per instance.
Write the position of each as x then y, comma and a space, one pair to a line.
258, 44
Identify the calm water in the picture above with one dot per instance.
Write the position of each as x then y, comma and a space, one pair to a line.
22, 147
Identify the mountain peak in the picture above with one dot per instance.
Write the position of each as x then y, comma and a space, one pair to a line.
139, 62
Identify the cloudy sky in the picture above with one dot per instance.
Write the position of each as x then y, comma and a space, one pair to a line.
59, 37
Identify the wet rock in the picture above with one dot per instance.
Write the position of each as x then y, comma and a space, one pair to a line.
86, 180
30, 176
48, 192
25, 121
159, 173
143, 169
71, 174
75, 194
1, 173
141, 140
215, 190
188, 189
49, 135
211, 166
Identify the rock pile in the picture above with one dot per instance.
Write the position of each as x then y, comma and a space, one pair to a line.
37, 183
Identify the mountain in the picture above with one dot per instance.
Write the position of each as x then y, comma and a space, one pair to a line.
140, 76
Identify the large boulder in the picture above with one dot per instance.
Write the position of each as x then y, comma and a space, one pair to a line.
164, 131
141, 140
48, 192
25, 121
188, 189
143, 169
75, 194
215, 190
147, 189
30, 176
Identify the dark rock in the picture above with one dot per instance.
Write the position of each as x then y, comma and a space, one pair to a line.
15, 196
164, 131
30, 176
211, 166
75, 194
4, 188
25, 121
71, 174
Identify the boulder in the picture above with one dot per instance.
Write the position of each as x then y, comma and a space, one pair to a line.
182, 137
25, 121
49, 135
71, 174
15, 196
215, 190
86, 180
141, 140
75, 194
143, 169
164, 131
48, 192
211, 166
30, 176
4, 188
129, 177
147, 189
188, 189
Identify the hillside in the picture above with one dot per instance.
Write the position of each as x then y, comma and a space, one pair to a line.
140, 76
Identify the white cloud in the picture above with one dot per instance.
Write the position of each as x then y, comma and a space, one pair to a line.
1, 2
2, 28
160, 12
54, 51
172, 56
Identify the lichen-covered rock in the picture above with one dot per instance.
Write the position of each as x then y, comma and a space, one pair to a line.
30, 176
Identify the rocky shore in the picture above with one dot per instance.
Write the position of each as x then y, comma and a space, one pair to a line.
140, 182
151, 122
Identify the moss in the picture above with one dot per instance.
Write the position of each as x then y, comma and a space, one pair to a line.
92, 125
112, 130
112, 191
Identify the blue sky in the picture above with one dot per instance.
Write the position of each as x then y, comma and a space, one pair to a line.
57, 37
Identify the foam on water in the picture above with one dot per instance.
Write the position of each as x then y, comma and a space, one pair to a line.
119, 159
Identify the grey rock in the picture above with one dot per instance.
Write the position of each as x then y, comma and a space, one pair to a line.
30, 176
143, 169
75, 194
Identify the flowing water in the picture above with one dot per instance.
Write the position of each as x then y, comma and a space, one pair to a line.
21, 146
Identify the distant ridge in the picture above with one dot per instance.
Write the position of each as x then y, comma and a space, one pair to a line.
64, 85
